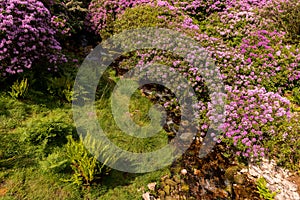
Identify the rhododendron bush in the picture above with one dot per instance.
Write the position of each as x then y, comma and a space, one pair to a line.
256, 61
255, 48
27, 36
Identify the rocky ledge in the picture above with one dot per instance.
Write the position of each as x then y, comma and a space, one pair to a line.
279, 180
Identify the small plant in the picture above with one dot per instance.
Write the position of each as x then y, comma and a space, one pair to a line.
285, 15
82, 162
263, 190
19, 90
55, 162
61, 87
296, 95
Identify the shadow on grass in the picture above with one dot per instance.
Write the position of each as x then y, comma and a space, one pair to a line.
14, 154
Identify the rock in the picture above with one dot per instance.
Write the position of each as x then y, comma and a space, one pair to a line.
151, 186
253, 172
244, 170
269, 179
187, 136
146, 196
183, 171
296, 196
279, 197
277, 179
239, 179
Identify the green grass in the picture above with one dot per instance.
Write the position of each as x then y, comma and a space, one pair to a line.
139, 108
22, 176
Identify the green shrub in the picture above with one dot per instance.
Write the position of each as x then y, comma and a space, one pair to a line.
296, 95
141, 16
48, 130
19, 90
56, 162
61, 87
82, 162
284, 147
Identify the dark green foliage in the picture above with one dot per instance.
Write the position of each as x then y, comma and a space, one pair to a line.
48, 130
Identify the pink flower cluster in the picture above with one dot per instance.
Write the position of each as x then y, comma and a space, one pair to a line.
253, 115
255, 62
103, 11
26, 36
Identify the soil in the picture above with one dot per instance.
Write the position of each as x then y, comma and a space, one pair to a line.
212, 177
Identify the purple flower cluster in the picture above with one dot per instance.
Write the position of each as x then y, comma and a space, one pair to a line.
252, 116
26, 36
255, 61
270, 60
60, 25
102, 11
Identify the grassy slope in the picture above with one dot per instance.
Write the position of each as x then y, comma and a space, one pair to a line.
21, 176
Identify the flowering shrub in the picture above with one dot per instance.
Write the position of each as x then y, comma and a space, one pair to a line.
153, 15
253, 117
67, 16
26, 36
247, 54
256, 62
271, 63
103, 12
284, 15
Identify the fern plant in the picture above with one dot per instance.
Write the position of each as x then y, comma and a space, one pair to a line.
61, 87
82, 162
19, 90
263, 190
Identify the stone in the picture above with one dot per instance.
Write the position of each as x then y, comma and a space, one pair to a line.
183, 171
239, 179
277, 180
269, 179
151, 186
279, 197
187, 136
278, 175
296, 196
146, 196
253, 172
